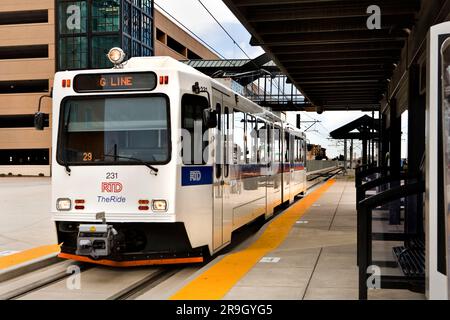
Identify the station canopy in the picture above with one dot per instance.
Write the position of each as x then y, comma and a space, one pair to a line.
326, 48
363, 128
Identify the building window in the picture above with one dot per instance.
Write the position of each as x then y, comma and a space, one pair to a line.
24, 157
105, 16
73, 53
88, 29
126, 45
136, 49
24, 52
147, 7
146, 51
126, 17
136, 25
100, 48
146, 30
161, 36
23, 17
24, 86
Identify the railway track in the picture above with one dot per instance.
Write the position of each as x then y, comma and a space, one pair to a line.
326, 174
97, 282
59, 281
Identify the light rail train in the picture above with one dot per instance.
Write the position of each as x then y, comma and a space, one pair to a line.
154, 162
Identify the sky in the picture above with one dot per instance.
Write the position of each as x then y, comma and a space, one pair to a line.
195, 17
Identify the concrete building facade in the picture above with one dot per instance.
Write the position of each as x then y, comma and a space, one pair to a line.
29, 49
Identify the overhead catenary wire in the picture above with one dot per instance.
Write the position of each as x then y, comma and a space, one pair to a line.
225, 30
190, 31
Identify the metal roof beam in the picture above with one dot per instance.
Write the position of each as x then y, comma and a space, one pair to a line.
332, 37
362, 55
341, 9
354, 63
342, 47
332, 25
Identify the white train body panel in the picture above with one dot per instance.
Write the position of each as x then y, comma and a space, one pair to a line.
224, 197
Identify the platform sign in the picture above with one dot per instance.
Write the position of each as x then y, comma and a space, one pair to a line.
437, 159
444, 100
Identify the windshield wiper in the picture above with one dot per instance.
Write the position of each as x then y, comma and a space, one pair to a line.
152, 168
66, 132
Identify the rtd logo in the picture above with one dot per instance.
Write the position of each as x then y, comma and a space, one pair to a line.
195, 175
112, 187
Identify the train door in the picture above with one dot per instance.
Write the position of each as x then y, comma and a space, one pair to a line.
222, 211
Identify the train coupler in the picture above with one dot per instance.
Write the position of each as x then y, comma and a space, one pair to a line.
95, 240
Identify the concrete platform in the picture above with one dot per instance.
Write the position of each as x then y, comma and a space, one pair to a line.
317, 259
25, 220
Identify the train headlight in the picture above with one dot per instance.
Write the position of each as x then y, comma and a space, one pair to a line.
159, 205
116, 55
63, 204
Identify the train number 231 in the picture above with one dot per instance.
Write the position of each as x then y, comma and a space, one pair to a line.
112, 175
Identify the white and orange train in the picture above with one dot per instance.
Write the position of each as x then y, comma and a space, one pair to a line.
155, 162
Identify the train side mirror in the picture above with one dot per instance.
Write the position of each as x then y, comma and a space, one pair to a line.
39, 120
210, 118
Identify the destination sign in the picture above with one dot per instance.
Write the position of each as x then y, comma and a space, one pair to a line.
136, 81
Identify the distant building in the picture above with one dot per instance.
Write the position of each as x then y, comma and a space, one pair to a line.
316, 152
37, 39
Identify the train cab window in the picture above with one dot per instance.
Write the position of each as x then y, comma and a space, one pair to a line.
194, 143
239, 137
114, 129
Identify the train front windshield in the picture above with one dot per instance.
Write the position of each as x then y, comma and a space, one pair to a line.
114, 130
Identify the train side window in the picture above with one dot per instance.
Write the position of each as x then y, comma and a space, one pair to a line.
287, 147
277, 144
303, 151
251, 131
254, 144
261, 141
219, 156
239, 137
193, 145
291, 148
226, 141
269, 142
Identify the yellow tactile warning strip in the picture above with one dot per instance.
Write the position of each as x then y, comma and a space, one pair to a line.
27, 255
215, 282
